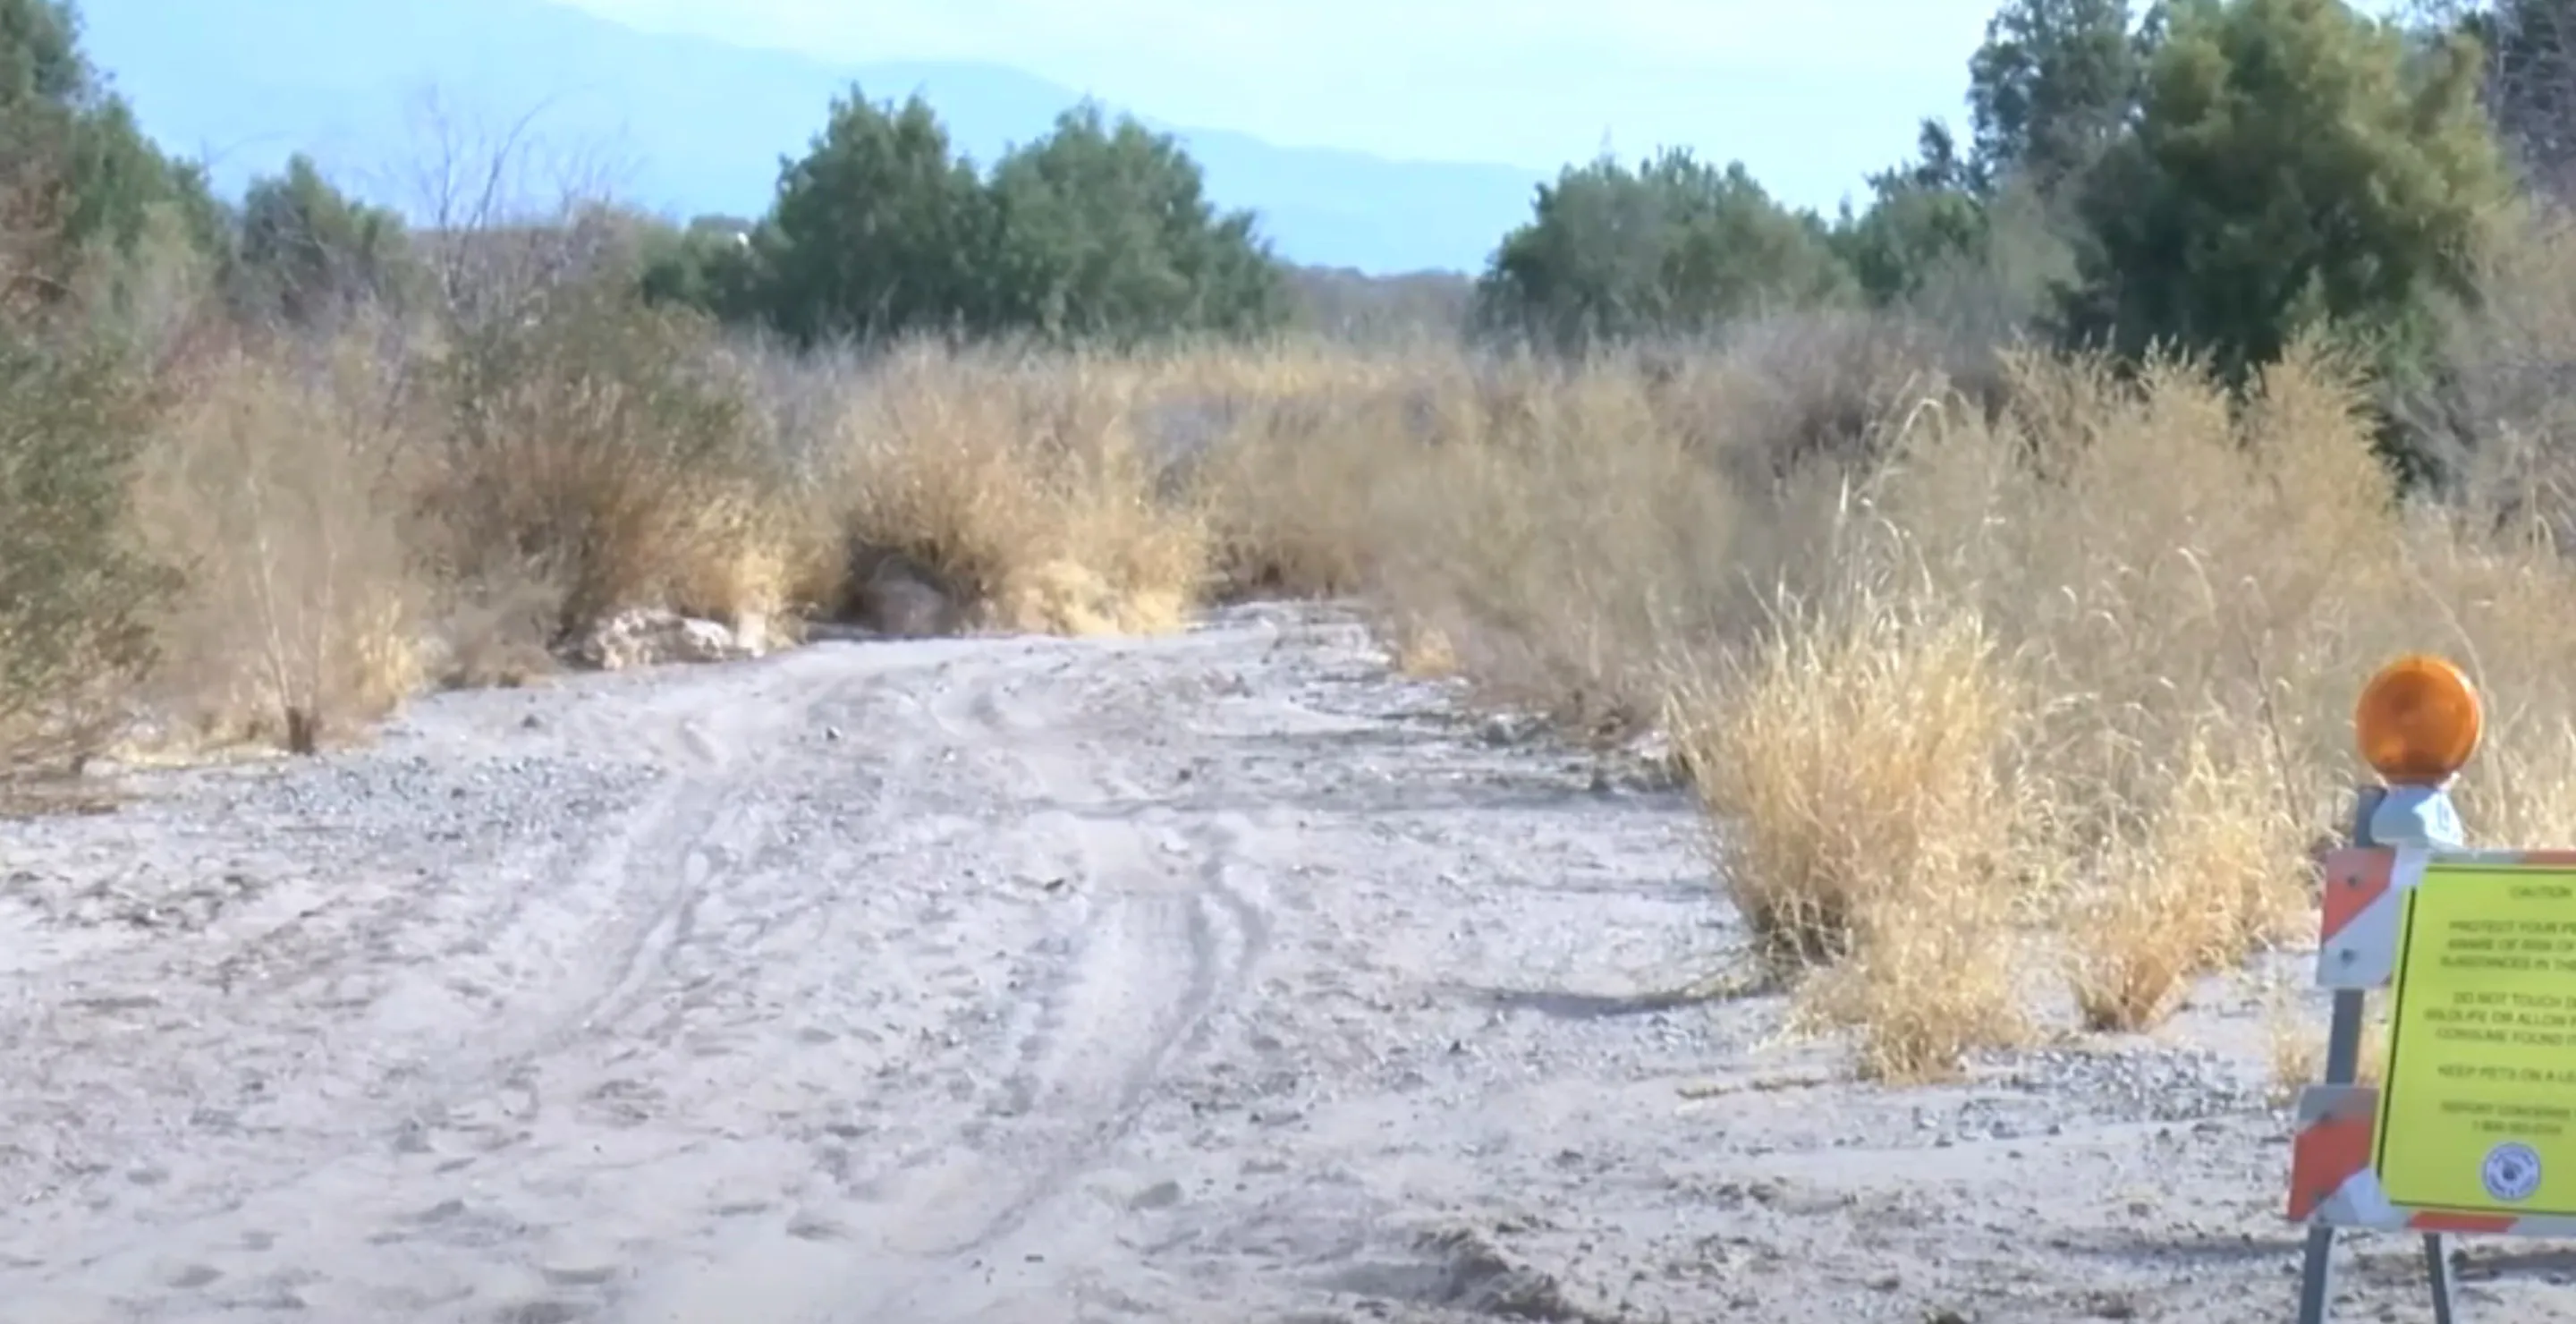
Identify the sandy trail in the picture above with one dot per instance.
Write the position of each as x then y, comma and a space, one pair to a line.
1217, 978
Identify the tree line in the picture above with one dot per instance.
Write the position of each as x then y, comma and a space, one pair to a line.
2215, 175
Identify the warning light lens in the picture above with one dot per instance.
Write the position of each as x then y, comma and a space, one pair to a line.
2418, 721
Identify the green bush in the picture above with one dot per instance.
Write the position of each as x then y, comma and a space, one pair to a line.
1675, 246
76, 596
1107, 235
2294, 164
307, 251
1098, 231
78, 172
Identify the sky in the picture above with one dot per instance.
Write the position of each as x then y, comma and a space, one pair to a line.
1811, 96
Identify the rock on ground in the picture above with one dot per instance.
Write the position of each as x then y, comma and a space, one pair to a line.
1212, 978
651, 636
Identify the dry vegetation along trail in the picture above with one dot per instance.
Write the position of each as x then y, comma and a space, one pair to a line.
1219, 977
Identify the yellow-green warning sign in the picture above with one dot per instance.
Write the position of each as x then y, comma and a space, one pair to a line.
2478, 1112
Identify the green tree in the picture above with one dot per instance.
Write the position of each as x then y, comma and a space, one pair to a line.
306, 250
2292, 164
1095, 231
881, 229
1675, 245
1925, 217
81, 181
81, 191
1909, 235
1107, 233
2050, 88
40, 58
76, 598
709, 264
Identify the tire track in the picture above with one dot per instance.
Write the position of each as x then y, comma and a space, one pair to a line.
532, 990
773, 1031
1157, 942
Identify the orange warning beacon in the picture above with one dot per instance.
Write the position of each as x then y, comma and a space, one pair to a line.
2418, 721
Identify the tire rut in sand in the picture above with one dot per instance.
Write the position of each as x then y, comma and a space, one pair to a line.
1153, 940
670, 1059
449, 1144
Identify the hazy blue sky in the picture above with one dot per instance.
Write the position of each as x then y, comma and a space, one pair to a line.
1811, 95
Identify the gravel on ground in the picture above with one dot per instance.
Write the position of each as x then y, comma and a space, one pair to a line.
1221, 977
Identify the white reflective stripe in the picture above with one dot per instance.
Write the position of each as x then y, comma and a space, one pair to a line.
2360, 1203
2543, 1225
2321, 1102
2364, 953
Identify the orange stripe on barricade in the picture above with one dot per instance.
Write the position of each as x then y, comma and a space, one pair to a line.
2323, 1157
2355, 877
2548, 859
2462, 1223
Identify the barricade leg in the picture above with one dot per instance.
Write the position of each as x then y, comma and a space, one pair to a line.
2316, 1276
2437, 1267
2342, 1065
2343, 1062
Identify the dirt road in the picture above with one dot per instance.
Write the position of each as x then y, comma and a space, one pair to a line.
1214, 978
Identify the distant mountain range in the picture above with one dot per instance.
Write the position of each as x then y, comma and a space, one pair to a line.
689, 125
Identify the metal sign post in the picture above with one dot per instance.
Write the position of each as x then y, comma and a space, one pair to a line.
2473, 1127
2343, 1065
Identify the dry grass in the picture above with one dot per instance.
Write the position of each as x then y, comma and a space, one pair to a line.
1026, 486
1856, 758
2193, 891
602, 459
357, 516
2050, 675
352, 517
1289, 483
1856, 772
1538, 518
2182, 592
277, 498
2073, 655
1423, 651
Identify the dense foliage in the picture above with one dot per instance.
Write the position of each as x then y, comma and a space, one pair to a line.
1097, 231
2220, 176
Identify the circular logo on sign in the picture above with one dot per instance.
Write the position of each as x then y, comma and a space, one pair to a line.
2511, 1172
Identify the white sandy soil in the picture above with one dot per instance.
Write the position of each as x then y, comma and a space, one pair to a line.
1215, 978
